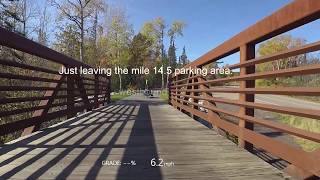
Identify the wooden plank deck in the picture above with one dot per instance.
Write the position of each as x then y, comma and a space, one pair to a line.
136, 129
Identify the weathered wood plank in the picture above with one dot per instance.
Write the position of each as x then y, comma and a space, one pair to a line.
137, 129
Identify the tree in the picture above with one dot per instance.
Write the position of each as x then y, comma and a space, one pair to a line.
149, 31
275, 45
278, 44
118, 38
11, 15
98, 7
11, 19
14, 16
175, 30
93, 54
139, 52
155, 31
43, 26
68, 41
172, 55
183, 59
77, 12
160, 29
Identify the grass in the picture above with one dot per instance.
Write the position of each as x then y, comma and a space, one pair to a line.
117, 97
311, 125
308, 98
164, 95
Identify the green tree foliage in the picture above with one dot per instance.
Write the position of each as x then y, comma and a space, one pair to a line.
117, 39
172, 56
67, 41
90, 31
77, 12
279, 44
183, 59
12, 15
101, 35
155, 31
176, 30
139, 50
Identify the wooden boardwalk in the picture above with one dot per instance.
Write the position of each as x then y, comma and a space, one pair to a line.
133, 131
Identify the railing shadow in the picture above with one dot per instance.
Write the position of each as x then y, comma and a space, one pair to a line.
140, 149
103, 128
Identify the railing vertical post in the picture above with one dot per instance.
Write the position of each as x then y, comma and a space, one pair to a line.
70, 96
48, 103
96, 89
247, 52
108, 89
169, 89
83, 93
177, 93
192, 94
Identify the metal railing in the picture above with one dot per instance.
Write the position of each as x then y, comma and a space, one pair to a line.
185, 92
35, 93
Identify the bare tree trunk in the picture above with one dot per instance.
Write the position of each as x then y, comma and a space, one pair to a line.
42, 32
120, 82
95, 26
167, 78
24, 23
162, 58
162, 80
82, 36
24, 17
278, 64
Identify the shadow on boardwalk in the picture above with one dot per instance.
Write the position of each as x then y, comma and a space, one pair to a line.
133, 131
76, 148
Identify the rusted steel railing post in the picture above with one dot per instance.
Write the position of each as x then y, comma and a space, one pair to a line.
96, 91
108, 89
47, 103
192, 94
176, 91
70, 96
247, 52
83, 92
169, 89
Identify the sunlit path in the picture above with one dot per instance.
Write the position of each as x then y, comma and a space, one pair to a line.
136, 130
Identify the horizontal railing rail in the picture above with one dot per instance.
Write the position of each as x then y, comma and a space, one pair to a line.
33, 92
195, 94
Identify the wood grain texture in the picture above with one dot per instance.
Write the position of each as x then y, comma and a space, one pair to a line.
135, 129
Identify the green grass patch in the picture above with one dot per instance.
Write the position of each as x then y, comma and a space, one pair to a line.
117, 97
164, 95
311, 125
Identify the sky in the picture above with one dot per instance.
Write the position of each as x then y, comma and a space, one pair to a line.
209, 22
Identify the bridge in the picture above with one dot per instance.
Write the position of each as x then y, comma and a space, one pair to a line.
87, 137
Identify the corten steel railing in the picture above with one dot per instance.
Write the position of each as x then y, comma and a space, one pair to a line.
36, 93
186, 92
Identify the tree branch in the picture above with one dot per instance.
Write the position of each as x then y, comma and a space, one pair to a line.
86, 3
69, 16
73, 4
